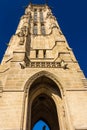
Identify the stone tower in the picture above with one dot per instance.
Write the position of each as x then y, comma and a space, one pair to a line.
40, 77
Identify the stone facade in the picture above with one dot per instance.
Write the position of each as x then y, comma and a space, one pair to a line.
40, 77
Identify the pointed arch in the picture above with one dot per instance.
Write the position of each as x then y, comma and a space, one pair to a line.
44, 83
41, 74
43, 87
44, 94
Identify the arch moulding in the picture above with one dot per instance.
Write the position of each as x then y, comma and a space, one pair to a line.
55, 79
27, 88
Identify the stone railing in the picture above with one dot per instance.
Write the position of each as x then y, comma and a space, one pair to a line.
44, 65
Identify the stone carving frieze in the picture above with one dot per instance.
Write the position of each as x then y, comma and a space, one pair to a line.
27, 63
44, 64
47, 65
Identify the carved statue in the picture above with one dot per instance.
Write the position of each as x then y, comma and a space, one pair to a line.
23, 32
21, 41
49, 15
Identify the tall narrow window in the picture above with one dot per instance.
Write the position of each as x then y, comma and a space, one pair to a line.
37, 53
41, 16
35, 15
44, 53
43, 29
35, 31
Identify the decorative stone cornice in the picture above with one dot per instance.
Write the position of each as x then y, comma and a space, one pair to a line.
29, 64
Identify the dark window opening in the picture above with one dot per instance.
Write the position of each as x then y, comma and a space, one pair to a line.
37, 53
40, 10
35, 10
44, 53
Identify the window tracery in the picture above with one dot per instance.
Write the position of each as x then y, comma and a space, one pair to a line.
35, 29
43, 32
35, 15
41, 16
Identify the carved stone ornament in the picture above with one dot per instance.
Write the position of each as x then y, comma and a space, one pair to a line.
63, 65
25, 62
49, 14
21, 41
27, 12
47, 65
25, 16
23, 32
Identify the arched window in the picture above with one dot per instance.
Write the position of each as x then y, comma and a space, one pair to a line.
35, 15
41, 125
41, 16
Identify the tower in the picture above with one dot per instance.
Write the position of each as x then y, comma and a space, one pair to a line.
40, 77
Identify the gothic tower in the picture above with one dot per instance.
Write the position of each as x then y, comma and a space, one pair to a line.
40, 78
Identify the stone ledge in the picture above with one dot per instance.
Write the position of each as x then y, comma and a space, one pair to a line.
76, 89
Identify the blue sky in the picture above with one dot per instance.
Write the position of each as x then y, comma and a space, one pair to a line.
71, 16
40, 124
